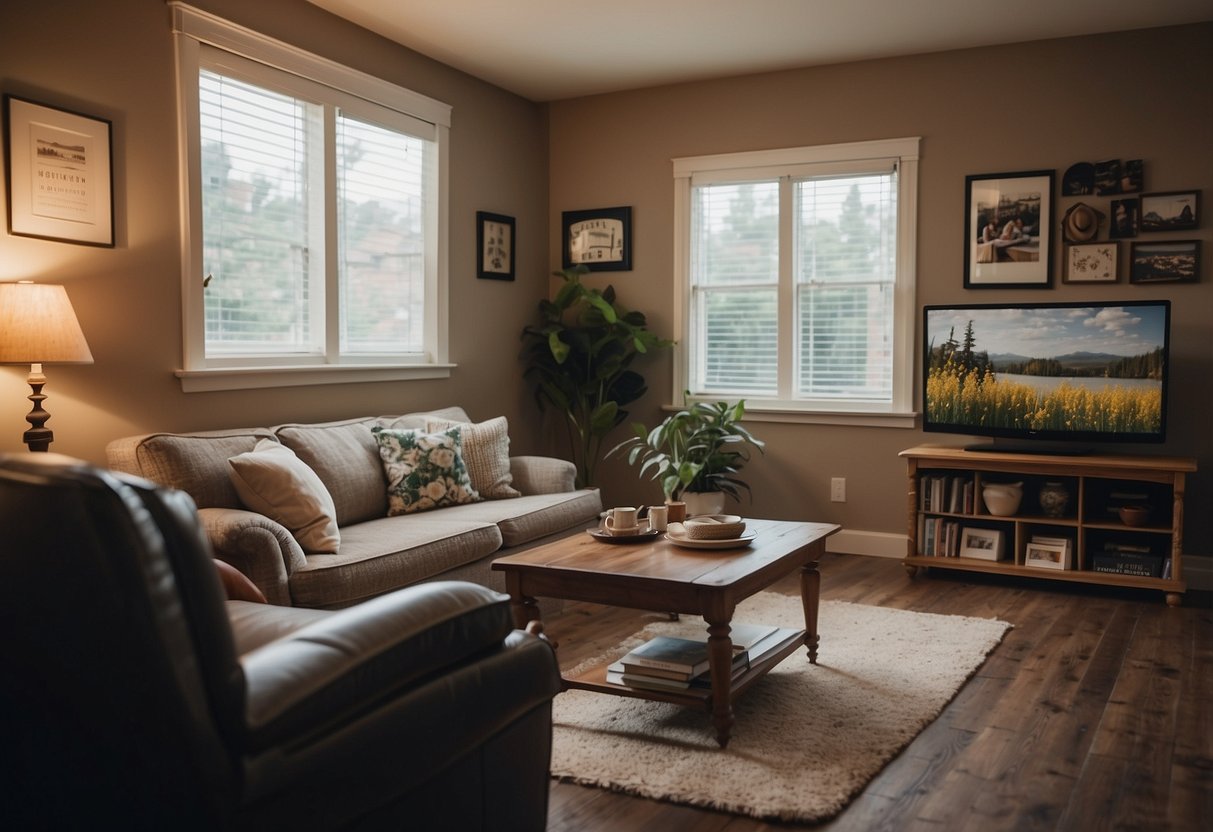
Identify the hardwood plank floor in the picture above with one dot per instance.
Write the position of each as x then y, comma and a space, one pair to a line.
1094, 713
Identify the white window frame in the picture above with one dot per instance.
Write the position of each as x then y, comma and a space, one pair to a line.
193, 30
773, 164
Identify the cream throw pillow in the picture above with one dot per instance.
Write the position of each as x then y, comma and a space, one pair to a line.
486, 451
272, 481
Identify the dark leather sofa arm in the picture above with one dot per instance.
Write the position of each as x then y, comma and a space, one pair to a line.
352, 659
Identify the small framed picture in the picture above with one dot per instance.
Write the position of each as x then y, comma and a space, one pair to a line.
983, 544
1171, 211
1126, 217
1172, 261
1091, 262
599, 239
495, 244
1046, 555
1008, 230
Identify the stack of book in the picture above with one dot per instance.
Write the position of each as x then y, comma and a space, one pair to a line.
671, 663
1121, 558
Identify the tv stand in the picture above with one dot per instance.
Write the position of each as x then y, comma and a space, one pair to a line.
952, 527
1029, 446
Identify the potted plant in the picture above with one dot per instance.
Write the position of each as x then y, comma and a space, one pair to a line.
695, 454
578, 359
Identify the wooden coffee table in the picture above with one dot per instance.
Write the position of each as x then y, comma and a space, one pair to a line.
659, 576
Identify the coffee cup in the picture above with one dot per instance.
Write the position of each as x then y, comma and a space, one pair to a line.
659, 517
620, 520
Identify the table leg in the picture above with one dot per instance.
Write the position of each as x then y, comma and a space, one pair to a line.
526, 614
810, 595
720, 657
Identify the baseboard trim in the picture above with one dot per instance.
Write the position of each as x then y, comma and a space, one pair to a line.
1198, 569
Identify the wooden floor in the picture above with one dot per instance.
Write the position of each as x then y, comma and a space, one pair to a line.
1096, 712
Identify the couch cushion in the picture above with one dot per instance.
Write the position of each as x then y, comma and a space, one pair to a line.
416, 421
526, 519
272, 481
195, 463
346, 458
424, 470
385, 554
486, 450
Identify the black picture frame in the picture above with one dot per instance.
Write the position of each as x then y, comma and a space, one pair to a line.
59, 170
494, 246
999, 254
1170, 211
1164, 261
1126, 218
599, 239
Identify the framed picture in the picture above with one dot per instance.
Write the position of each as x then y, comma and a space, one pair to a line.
1091, 262
600, 240
1126, 216
983, 544
1172, 261
1050, 555
60, 185
1009, 230
495, 244
1173, 211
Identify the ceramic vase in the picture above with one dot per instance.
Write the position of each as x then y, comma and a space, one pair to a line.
1054, 499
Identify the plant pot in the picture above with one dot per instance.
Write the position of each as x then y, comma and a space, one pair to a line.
703, 502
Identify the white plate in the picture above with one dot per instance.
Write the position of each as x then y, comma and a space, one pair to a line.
729, 543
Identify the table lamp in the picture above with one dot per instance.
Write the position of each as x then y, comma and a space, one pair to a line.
38, 326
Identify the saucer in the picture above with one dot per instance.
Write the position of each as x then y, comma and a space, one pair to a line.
728, 543
632, 537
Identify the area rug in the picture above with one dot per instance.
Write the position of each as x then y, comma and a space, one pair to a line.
807, 739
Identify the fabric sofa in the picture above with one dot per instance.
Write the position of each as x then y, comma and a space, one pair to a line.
376, 553
137, 698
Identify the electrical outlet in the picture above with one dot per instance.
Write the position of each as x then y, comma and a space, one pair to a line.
838, 490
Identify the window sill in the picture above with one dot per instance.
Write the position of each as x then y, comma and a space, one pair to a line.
248, 378
758, 413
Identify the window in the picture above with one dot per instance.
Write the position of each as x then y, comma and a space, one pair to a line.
796, 279
313, 202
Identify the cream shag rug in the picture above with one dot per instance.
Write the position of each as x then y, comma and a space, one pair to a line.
807, 739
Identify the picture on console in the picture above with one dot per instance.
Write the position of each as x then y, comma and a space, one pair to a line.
1052, 371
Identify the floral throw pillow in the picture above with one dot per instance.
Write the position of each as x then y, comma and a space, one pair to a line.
424, 470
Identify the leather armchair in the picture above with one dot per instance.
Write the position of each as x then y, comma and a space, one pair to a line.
137, 697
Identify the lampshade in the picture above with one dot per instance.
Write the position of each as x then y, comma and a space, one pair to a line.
39, 326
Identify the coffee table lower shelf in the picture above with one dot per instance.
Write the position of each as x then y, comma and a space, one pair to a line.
594, 678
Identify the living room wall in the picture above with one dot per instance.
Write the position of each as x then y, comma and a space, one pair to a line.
1133, 95
114, 60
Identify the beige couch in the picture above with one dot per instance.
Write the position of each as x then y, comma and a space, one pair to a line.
376, 553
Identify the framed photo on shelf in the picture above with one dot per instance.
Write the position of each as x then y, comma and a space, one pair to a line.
1171, 261
60, 184
1047, 555
495, 246
1172, 211
1091, 262
1009, 230
983, 544
600, 239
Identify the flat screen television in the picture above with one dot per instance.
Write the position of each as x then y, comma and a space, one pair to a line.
1047, 377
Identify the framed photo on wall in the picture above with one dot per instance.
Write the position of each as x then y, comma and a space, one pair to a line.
1170, 261
599, 239
1009, 230
60, 185
495, 246
1091, 262
1172, 211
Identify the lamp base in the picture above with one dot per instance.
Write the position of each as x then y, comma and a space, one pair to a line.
38, 437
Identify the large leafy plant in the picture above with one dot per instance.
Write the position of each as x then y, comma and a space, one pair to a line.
578, 359
700, 448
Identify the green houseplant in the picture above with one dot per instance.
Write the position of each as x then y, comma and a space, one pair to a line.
699, 449
578, 360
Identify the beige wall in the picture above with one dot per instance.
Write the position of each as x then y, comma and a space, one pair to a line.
1024, 107
114, 60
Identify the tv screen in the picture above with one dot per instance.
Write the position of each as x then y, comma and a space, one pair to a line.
1069, 372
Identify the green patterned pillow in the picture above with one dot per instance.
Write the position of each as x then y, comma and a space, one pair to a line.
424, 470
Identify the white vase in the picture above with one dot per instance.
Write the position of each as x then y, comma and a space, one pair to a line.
703, 502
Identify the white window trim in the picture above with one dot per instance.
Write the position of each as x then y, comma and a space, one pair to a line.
770, 164
193, 27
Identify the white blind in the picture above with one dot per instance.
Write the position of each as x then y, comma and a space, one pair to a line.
257, 148
846, 251
735, 285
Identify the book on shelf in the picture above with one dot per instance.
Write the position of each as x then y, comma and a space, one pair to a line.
684, 657
617, 675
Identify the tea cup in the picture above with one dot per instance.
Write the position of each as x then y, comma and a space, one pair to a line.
620, 520
659, 517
